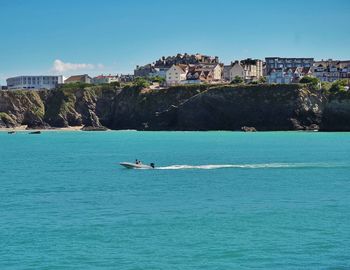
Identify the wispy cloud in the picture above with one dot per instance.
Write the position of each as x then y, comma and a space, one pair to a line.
61, 67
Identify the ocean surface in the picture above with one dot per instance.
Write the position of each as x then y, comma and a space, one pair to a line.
217, 200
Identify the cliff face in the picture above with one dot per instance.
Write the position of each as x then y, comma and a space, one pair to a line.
265, 107
56, 108
336, 115
21, 107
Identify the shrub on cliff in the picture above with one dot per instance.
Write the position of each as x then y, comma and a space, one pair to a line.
325, 86
158, 79
115, 84
312, 82
262, 80
141, 82
308, 79
237, 80
338, 86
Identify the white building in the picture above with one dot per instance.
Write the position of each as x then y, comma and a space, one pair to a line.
176, 74
34, 82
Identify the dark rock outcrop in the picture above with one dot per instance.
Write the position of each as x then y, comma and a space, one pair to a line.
336, 114
268, 107
248, 129
90, 128
264, 107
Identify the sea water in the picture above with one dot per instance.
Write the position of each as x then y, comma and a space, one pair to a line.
216, 200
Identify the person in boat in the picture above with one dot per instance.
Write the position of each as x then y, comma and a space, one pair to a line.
137, 161
152, 165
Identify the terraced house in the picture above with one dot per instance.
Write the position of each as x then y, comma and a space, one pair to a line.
249, 70
282, 62
288, 75
176, 74
331, 70
162, 65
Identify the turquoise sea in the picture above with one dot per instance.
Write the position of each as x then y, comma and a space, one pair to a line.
218, 200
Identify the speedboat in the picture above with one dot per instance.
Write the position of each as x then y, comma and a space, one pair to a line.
129, 165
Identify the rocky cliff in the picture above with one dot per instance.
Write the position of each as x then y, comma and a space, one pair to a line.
336, 114
265, 107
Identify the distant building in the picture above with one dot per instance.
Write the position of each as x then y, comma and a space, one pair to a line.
79, 79
158, 72
288, 75
331, 70
279, 62
176, 74
34, 82
186, 59
198, 75
215, 70
161, 66
125, 78
105, 79
143, 71
226, 72
249, 70
280, 76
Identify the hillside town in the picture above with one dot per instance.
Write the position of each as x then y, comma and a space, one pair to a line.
184, 69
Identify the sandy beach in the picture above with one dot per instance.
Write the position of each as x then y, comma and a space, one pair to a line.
24, 128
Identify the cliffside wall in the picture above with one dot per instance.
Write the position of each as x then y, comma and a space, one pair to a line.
222, 107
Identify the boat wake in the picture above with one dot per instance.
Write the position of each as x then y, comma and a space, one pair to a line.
252, 166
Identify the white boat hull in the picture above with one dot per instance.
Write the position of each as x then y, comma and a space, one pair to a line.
129, 165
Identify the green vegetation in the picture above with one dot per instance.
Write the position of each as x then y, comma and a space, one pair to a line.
73, 86
4, 116
141, 82
325, 86
262, 80
7, 119
313, 82
158, 79
308, 79
338, 86
237, 80
115, 84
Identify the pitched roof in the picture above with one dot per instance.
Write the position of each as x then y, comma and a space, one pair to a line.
306, 70
76, 78
104, 76
182, 67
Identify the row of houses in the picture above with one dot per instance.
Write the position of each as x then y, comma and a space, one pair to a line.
193, 74
198, 68
291, 70
273, 69
249, 70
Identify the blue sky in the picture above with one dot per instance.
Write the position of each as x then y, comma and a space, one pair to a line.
114, 36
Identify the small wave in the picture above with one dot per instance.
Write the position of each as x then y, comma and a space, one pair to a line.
250, 166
